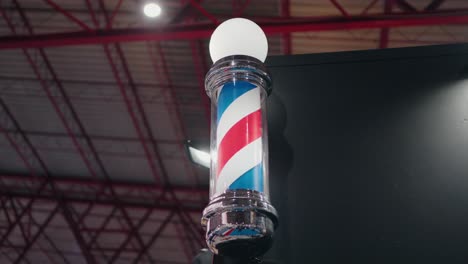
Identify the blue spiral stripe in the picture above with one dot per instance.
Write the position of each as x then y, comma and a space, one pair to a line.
250, 180
229, 93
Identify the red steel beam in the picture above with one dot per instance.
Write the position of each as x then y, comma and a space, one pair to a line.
68, 15
200, 65
131, 235
61, 114
98, 233
204, 12
67, 125
133, 116
46, 253
14, 144
48, 89
102, 215
241, 8
99, 162
145, 85
114, 14
286, 14
189, 230
94, 18
144, 121
187, 246
15, 248
31, 201
368, 7
184, 11
21, 227
164, 75
126, 72
76, 254
48, 239
56, 250
9, 222
435, 4
76, 233
12, 226
5, 211
27, 163
154, 237
385, 32
146, 126
63, 206
26, 235
32, 171
405, 6
92, 185
190, 204
101, 228
124, 153
36, 235
190, 208
99, 99
340, 8
202, 31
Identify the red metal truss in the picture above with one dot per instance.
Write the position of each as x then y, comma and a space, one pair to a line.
50, 190
57, 88
434, 5
130, 236
286, 37
203, 11
8, 242
154, 237
61, 113
15, 143
157, 55
127, 87
404, 5
239, 7
198, 56
36, 236
385, 32
28, 155
68, 15
368, 7
158, 60
203, 30
340, 8
104, 252
87, 191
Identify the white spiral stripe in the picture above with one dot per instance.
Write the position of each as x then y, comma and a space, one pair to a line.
244, 160
244, 105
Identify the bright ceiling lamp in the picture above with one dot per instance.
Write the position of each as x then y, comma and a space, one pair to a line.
152, 10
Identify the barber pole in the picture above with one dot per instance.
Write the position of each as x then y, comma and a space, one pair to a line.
239, 220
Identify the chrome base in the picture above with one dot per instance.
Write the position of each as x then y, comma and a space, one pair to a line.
239, 223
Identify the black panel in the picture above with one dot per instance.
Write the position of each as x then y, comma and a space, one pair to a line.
369, 156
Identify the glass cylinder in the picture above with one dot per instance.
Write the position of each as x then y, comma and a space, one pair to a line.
239, 218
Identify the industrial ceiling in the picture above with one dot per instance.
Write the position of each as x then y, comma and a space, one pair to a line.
96, 101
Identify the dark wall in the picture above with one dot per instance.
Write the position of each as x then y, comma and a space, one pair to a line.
369, 156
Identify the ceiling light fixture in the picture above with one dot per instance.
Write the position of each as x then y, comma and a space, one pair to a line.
197, 155
152, 10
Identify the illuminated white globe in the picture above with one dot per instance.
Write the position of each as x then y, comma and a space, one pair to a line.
238, 36
152, 10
